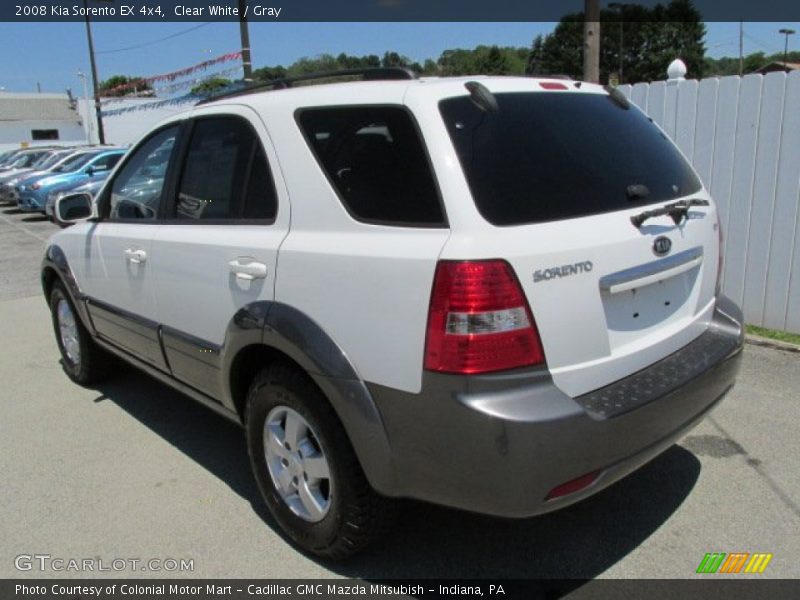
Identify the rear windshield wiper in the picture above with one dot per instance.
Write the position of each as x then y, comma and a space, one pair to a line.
677, 210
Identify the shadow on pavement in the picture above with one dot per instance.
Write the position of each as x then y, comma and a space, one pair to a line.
579, 542
35, 219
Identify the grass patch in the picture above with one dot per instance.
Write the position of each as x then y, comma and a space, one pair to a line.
773, 334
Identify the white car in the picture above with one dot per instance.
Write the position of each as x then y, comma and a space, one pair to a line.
497, 294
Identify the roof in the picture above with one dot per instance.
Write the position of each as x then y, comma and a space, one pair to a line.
37, 107
778, 66
392, 91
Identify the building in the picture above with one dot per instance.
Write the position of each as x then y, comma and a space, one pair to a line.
36, 119
778, 66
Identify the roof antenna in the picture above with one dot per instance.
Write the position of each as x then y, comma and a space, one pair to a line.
481, 96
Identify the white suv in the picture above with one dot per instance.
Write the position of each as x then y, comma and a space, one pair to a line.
496, 294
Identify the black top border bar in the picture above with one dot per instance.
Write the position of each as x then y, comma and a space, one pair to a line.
362, 10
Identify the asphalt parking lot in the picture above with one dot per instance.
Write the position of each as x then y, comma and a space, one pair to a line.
132, 470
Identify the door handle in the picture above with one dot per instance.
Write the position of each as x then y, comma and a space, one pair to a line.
135, 256
247, 271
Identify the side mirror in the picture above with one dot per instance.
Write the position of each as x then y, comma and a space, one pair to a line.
73, 208
90, 171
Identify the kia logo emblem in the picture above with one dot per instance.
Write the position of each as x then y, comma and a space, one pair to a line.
662, 246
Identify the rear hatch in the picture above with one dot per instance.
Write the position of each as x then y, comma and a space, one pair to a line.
558, 176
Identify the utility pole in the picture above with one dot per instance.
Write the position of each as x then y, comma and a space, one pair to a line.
247, 66
741, 48
87, 106
619, 6
591, 41
787, 33
101, 137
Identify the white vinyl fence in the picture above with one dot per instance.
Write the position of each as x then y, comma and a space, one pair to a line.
742, 134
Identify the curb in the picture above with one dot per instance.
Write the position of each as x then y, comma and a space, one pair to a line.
757, 340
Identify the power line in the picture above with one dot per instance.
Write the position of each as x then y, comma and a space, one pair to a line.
760, 43
153, 42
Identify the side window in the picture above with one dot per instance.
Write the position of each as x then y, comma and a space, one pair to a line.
225, 174
137, 188
377, 163
104, 163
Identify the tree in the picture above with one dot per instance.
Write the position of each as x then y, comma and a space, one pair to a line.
728, 65
269, 73
134, 85
211, 85
652, 38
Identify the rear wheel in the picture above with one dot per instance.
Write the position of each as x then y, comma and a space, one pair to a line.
83, 361
306, 468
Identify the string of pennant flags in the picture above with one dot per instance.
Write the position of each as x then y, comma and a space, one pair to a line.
175, 75
152, 105
174, 87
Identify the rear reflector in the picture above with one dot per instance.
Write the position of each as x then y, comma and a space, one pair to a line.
552, 85
479, 320
576, 485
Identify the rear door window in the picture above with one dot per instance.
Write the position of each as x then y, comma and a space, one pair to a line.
550, 156
225, 174
376, 162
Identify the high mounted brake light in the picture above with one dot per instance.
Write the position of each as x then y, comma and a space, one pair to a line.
479, 320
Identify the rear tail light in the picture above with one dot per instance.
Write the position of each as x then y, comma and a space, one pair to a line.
479, 320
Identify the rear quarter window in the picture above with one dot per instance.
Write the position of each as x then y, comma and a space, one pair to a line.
375, 160
551, 156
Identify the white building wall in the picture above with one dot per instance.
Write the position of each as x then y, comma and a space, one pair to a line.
126, 128
13, 134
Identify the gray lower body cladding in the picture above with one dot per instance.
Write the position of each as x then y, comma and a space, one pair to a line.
499, 444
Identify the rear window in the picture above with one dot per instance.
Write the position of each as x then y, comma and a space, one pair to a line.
550, 156
375, 159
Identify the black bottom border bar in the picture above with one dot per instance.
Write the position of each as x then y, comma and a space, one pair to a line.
709, 587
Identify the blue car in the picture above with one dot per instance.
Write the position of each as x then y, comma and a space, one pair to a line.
82, 168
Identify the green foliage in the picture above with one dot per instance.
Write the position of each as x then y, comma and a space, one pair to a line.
211, 85
483, 60
651, 39
729, 65
118, 80
269, 73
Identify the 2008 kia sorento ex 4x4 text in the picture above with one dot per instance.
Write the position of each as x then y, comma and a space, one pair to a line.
494, 294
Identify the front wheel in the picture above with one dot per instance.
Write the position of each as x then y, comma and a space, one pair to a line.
83, 361
306, 468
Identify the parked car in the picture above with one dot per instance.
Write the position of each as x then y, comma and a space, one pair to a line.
80, 169
496, 294
7, 156
24, 159
90, 188
46, 163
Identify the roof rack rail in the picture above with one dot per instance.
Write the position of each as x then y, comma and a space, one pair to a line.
370, 74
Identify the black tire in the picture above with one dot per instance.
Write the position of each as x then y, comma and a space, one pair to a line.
356, 514
93, 363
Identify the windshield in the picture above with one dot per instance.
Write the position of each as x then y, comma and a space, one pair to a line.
6, 157
75, 162
549, 156
48, 160
27, 160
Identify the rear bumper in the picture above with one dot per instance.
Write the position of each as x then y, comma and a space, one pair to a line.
499, 444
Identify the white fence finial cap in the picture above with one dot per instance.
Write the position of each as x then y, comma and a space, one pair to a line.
676, 69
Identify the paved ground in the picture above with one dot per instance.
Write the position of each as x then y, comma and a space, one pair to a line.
133, 470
